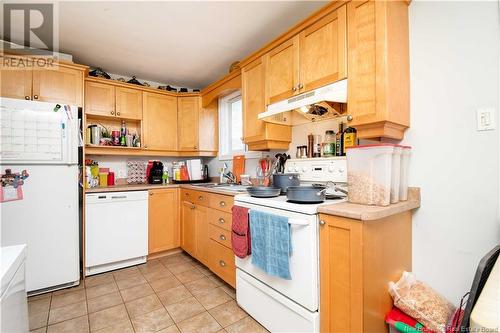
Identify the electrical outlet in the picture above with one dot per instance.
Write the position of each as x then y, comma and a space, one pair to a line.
122, 174
485, 119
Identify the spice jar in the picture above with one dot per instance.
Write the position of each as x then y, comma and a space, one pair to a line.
329, 144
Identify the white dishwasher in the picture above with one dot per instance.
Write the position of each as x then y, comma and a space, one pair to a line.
116, 230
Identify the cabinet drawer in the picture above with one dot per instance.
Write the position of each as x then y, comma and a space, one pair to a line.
222, 262
188, 195
201, 198
221, 219
220, 235
222, 202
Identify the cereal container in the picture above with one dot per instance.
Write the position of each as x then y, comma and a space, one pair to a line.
395, 173
404, 172
369, 174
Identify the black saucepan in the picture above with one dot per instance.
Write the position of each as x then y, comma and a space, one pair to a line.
285, 180
306, 194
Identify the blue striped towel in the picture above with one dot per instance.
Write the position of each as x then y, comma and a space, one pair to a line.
271, 243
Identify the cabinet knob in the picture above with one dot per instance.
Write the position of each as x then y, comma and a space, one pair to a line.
222, 237
222, 204
349, 117
27, 98
195, 147
221, 220
222, 263
150, 193
192, 207
301, 86
118, 113
294, 88
321, 222
200, 198
35, 96
112, 112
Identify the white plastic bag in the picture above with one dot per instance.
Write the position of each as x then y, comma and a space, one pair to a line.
421, 302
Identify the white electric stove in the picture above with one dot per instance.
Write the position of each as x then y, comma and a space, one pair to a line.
290, 305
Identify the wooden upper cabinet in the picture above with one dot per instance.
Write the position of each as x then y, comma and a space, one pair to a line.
378, 68
323, 51
160, 121
99, 99
62, 85
128, 103
188, 120
16, 84
282, 71
257, 134
253, 101
188, 225
164, 224
209, 127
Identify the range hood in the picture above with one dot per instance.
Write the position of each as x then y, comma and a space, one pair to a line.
320, 104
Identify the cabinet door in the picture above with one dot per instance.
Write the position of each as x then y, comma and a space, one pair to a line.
252, 77
99, 99
202, 234
160, 121
164, 230
209, 129
341, 275
187, 119
128, 103
16, 84
188, 232
62, 85
323, 52
281, 70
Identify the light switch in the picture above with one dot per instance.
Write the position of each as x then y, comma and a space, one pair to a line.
485, 119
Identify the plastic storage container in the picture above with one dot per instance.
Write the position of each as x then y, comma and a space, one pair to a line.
396, 173
404, 172
369, 174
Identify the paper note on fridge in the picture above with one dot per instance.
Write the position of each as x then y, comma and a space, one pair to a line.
32, 132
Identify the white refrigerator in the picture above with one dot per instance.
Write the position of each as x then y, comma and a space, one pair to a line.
43, 213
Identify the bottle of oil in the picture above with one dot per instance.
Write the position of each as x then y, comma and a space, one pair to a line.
339, 140
349, 139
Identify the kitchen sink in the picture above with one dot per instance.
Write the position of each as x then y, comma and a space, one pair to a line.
224, 186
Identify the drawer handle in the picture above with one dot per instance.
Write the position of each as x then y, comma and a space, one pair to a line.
222, 237
35, 96
200, 198
222, 263
27, 98
222, 203
321, 223
186, 194
192, 207
119, 197
222, 221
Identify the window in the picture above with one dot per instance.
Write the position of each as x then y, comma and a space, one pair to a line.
231, 126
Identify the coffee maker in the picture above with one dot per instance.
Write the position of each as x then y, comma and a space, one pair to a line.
155, 173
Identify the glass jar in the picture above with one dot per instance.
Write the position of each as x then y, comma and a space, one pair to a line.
329, 145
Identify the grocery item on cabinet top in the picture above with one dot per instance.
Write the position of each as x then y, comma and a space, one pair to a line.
378, 174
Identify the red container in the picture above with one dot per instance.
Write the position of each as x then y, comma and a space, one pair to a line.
111, 178
115, 137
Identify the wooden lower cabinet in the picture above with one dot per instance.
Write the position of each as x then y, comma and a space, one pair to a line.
188, 227
205, 233
357, 260
164, 226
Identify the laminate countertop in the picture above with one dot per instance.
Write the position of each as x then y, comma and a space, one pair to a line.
370, 213
145, 187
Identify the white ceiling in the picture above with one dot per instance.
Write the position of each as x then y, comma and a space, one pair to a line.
183, 43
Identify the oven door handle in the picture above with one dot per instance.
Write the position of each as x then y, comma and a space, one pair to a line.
298, 222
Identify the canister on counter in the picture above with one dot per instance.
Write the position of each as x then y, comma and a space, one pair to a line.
103, 179
111, 178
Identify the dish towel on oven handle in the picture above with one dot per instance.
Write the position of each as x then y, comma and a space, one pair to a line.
271, 243
240, 232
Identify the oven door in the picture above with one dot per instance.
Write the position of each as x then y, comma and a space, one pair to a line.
304, 285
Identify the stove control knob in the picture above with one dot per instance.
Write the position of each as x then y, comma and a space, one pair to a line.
341, 170
290, 168
331, 168
297, 169
304, 169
